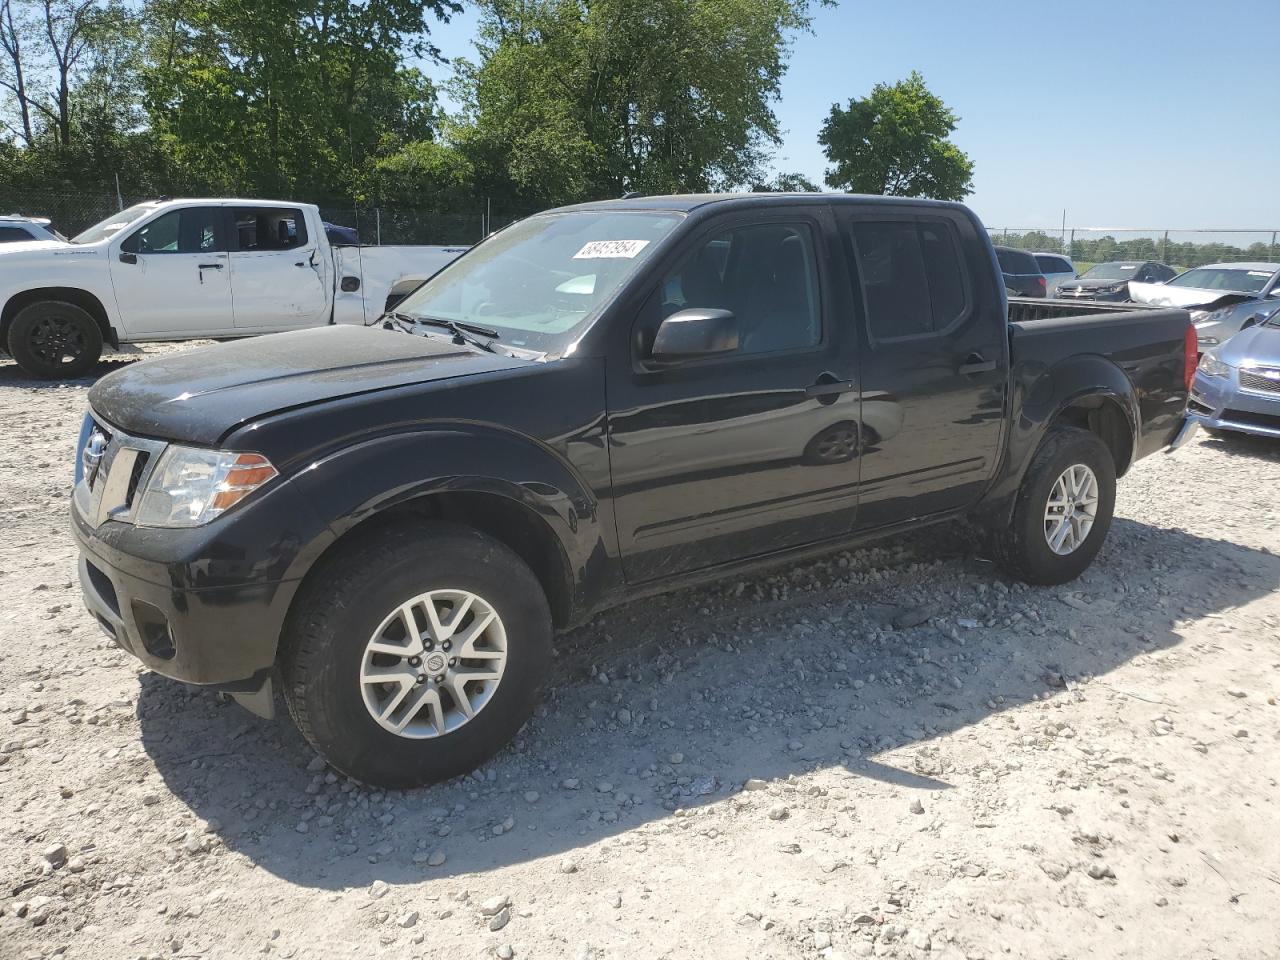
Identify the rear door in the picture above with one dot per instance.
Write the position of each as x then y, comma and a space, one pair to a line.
747, 453
170, 275
279, 276
933, 369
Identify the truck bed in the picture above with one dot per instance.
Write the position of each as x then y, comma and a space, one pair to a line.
1147, 345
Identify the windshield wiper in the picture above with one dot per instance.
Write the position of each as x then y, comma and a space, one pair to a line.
462, 332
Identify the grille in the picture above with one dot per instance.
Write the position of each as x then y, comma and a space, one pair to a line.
1258, 380
126, 464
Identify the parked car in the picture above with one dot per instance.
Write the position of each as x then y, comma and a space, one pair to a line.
16, 228
1216, 325
184, 269
1022, 276
1237, 386
1110, 281
338, 234
595, 404
1056, 269
1223, 298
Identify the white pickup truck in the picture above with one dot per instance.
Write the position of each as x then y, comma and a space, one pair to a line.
188, 269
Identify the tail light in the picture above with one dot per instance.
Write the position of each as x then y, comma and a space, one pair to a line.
1190, 355
1044, 284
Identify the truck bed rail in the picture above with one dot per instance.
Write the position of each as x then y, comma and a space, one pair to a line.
1030, 308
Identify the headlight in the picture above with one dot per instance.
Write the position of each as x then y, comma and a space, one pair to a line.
192, 485
1206, 316
1114, 288
1209, 341
1211, 366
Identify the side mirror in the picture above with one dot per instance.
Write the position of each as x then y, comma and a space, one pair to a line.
126, 257
693, 333
349, 284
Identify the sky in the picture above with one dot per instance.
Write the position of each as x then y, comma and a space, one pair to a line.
1123, 114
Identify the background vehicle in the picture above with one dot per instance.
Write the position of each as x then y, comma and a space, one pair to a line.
1022, 276
1210, 284
19, 229
1237, 386
397, 517
1218, 325
1110, 281
1056, 268
184, 269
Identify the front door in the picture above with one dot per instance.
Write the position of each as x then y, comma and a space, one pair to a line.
279, 276
747, 453
170, 276
934, 369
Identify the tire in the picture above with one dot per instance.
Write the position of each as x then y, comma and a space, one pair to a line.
340, 609
1023, 548
53, 339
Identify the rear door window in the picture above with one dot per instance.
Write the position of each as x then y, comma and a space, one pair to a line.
912, 276
1053, 265
1015, 261
269, 228
14, 235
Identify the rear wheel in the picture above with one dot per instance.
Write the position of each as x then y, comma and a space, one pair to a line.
1063, 510
416, 657
53, 339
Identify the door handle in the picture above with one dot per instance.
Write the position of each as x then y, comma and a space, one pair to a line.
975, 364
829, 388
210, 266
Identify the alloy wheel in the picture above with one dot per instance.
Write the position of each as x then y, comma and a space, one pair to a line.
433, 663
1072, 508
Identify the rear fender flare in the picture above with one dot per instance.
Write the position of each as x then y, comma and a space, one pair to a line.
1047, 396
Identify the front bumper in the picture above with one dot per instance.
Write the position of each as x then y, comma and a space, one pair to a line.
203, 605
1221, 403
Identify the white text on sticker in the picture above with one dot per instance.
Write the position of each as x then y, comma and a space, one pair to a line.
610, 249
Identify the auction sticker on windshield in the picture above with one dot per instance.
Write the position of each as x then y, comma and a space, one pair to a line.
610, 249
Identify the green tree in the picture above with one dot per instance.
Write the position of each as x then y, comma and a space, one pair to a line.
787, 183
895, 142
573, 99
282, 95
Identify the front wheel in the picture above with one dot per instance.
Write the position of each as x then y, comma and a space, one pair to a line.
52, 339
417, 656
1063, 510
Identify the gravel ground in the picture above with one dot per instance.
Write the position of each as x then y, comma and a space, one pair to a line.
890, 752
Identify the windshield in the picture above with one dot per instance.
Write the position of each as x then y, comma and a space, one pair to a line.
113, 224
1227, 279
539, 282
1112, 271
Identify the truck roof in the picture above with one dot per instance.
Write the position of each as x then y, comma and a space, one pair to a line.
685, 202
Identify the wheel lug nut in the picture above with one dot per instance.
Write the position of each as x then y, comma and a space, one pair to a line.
447, 645
422, 678
440, 679
453, 661
415, 661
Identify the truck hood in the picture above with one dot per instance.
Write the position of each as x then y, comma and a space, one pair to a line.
8, 250
201, 395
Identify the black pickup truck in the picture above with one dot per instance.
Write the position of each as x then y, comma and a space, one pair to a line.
597, 403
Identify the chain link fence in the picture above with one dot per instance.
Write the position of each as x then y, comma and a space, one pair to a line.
385, 223
1180, 249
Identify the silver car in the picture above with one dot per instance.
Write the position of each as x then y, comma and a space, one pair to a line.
1056, 268
1237, 386
16, 228
1216, 326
